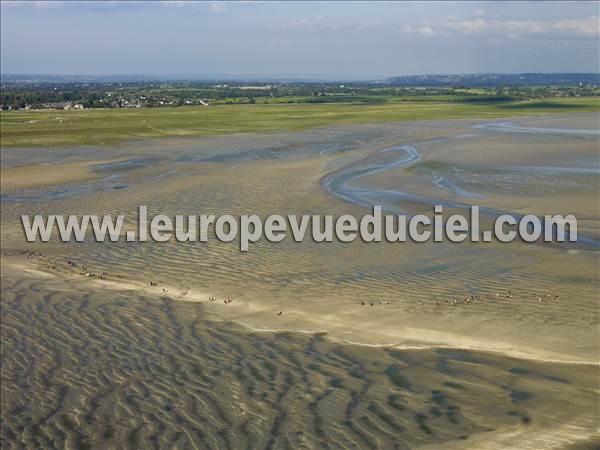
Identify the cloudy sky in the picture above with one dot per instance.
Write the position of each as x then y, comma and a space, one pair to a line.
355, 40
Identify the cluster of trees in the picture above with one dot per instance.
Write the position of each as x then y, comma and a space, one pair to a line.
16, 95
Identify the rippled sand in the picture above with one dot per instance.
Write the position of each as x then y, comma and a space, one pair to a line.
81, 369
116, 362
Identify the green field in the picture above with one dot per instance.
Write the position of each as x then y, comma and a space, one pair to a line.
108, 126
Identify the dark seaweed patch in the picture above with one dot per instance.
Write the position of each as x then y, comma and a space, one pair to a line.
393, 372
520, 396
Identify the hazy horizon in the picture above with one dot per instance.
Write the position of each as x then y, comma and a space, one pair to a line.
321, 40
266, 78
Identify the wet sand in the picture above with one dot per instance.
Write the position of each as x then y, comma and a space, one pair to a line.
465, 345
37, 175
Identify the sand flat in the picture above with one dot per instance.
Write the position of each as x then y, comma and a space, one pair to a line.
36, 175
519, 364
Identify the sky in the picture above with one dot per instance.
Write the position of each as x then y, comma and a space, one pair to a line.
329, 40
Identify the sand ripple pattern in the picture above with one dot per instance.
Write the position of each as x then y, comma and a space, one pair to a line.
81, 370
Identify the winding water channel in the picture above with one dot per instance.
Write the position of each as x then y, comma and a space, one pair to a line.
343, 182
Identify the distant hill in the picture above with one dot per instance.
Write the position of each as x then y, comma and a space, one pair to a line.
482, 80
497, 79
28, 78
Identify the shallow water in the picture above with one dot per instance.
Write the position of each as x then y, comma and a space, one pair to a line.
343, 182
510, 127
69, 190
